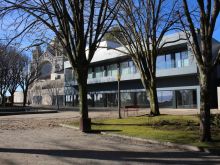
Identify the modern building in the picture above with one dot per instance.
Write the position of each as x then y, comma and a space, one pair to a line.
177, 78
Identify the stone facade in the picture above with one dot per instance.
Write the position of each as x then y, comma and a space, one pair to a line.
48, 89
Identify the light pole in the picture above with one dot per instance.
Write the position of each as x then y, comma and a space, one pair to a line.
119, 93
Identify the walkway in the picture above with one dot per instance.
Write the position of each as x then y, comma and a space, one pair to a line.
63, 146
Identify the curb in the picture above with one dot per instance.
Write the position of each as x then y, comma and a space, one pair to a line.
135, 140
168, 144
68, 126
26, 112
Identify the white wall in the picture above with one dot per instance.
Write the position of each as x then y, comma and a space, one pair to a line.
18, 97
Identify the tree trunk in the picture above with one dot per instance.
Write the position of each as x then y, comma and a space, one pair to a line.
85, 122
154, 107
3, 100
25, 98
12, 98
205, 125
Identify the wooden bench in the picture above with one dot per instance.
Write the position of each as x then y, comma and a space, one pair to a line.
129, 108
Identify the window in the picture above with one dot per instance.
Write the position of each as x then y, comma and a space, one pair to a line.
185, 59
181, 59
186, 98
174, 60
68, 75
168, 61
90, 73
128, 67
99, 72
112, 70
124, 68
165, 98
132, 67
161, 62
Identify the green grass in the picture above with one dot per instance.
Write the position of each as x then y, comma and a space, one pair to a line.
165, 128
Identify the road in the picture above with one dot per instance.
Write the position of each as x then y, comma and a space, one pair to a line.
40, 141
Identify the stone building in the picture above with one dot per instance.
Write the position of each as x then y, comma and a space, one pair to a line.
48, 89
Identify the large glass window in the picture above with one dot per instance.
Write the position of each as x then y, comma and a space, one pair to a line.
112, 100
128, 98
128, 67
181, 59
68, 75
165, 98
112, 70
99, 71
168, 61
142, 100
125, 70
174, 60
186, 99
161, 62
90, 73
132, 67
100, 100
185, 58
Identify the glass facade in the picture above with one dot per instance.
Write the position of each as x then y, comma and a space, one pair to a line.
112, 70
90, 73
186, 99
127, 67
165, 98
100, 100
128, 98
174, 60
99, 71
68, 75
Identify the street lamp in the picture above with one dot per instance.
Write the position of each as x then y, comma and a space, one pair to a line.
119, 93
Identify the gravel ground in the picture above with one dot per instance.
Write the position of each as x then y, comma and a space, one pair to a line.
38, 140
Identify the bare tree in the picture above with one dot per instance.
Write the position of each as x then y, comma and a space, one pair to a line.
16, 67
199, 34
10, 63
142, 25
4, 70
27, 77
79, 25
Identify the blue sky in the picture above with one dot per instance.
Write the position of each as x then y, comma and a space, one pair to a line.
216, 34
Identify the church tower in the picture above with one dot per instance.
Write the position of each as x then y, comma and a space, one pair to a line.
36, 53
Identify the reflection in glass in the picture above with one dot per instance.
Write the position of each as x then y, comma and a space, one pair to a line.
112, 100
161, 62
165, 98
90, 73
112, 70
99, 71
142, 100
186, 98
68, 75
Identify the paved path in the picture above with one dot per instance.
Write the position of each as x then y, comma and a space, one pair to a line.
38, 140
60, 146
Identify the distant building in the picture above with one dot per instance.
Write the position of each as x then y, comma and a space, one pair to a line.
48, 89
18, 97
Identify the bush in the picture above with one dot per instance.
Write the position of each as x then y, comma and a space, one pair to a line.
215, 120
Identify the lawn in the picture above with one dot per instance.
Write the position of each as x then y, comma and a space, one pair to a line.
165, 128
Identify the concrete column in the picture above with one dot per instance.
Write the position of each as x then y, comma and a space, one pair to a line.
198, 97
